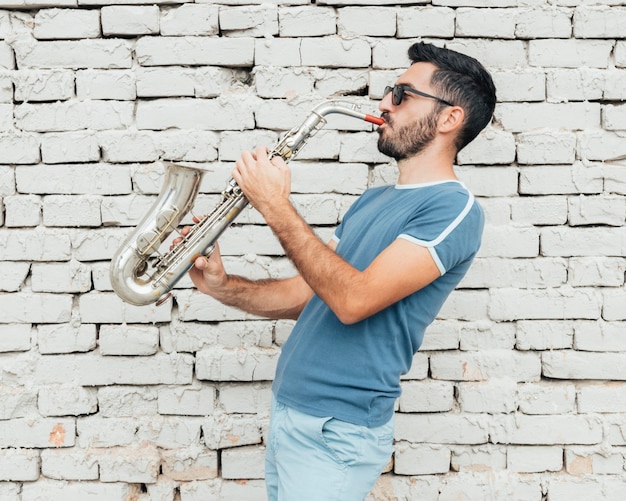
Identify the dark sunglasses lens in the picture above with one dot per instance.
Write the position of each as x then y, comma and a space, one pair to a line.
398, 94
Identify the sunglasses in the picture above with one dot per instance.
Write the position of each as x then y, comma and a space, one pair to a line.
397, 93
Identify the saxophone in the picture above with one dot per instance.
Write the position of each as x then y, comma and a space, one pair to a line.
139, 274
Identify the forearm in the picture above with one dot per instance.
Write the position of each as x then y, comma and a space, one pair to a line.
269, 298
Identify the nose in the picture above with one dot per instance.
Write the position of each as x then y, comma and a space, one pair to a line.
386, 103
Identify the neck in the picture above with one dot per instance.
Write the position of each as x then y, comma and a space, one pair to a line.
428, 166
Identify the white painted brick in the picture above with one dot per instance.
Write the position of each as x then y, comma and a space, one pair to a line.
490, 181
130, 20
190, 464
332, 82
6, 89
19, 148
535, 459
223, 431
303, 21
547, 430
548, 210
440, 429
233, 113
245, 398
491, 23
599, 336
43, 85
527, 84
569, 53
599, 21
426, 396
496, 54
490, 147
94, 431
518, 117
66, 338
620, 54
426, 22
17, 402
74, 115
19, 464
68, 210
419, 368
93, 370
546, 147
191, 401
221, 364
67, 401
6, 118
22, 210
130, 465
614, 84
570, 364
277, 52
173, 51
128, 340
190, 19
590, 241
7, 58
243, 463
543, 22
442, 335
73, 179
544, 335
360, 147
487, 336
126, 401
612, 117
581, 461
601, 145
524, 273
105, 54
128, 146
482, 366
14, 337
465, 305
60, 277
542, 398
108, 308
417, 459
334, 52
66, 23
51, 490
37, 433
497, 396
283, 82
69, 464
99, 84
36, 308
370, 21
69, 147
596, 271
37, 245
510, 241
580, 84
604, 397
478, 458
560, 180
253, 20
549, 304
596, 210
7, 180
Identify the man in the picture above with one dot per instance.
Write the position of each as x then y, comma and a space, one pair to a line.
363, 300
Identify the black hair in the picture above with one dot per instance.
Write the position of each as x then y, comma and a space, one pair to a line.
463, 81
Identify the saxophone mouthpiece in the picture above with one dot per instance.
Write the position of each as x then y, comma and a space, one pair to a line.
374, 120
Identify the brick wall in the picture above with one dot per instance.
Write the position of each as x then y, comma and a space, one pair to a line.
519, 391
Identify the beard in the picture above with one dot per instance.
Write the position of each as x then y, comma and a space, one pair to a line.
407, 140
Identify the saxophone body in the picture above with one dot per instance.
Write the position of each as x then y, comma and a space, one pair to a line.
139, 274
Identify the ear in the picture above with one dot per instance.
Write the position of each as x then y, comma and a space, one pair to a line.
451, 119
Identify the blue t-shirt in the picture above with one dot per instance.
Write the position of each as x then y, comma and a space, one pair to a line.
352, 372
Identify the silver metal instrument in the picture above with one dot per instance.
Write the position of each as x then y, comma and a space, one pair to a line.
139, 274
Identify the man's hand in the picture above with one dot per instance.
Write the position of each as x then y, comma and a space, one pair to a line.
264, 182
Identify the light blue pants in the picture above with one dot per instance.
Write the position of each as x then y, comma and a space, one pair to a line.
322, 459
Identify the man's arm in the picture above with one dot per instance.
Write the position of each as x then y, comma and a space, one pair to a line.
270, 298
353, 295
